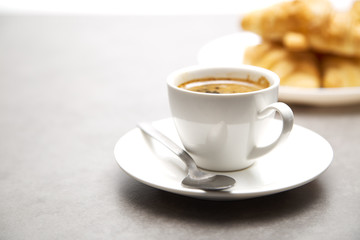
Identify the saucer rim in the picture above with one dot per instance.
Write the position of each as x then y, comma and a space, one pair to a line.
228, 194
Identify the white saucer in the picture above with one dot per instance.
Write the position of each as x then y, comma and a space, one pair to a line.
302, 158
229, 51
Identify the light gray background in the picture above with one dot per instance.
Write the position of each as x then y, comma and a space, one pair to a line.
70, 87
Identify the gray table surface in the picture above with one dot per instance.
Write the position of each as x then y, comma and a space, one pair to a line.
71, 86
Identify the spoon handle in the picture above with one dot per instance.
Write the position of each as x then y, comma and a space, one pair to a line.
182, 154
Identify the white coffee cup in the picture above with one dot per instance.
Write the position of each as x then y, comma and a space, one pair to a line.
221, 131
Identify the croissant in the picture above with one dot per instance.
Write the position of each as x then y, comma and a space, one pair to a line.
340, 71
294, 69
301, 25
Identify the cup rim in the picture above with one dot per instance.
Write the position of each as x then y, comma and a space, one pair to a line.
274, 82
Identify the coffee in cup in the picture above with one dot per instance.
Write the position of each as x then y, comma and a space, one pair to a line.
224, 85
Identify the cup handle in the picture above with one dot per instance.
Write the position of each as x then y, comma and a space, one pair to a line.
288, 121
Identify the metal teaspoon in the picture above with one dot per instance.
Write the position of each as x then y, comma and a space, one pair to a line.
195, 178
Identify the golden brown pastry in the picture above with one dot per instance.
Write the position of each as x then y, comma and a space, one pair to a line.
340, 71
298, 16
294, 69
341, 35
308, 24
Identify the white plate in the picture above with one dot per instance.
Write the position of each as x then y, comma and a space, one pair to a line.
229, 51
302, 158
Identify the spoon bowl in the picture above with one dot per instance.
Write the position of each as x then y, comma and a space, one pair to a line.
212, 183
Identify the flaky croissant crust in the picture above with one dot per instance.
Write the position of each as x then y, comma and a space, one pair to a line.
308, 24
